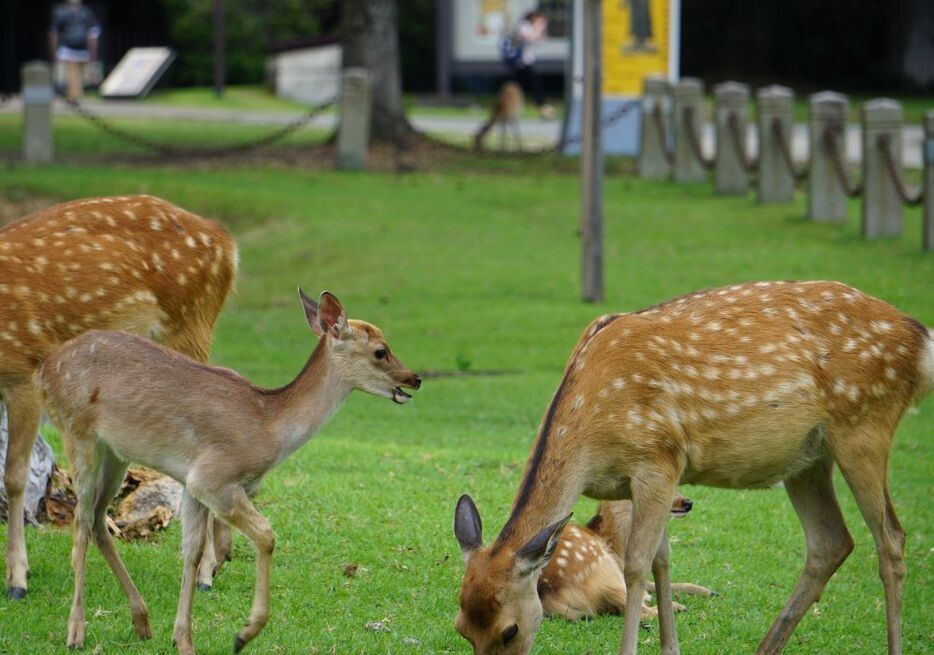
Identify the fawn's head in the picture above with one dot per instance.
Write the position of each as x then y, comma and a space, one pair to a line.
500, 610
358, 350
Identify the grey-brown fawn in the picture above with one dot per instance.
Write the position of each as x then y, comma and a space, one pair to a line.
133, 263
739, 387
118, 398
584, 577
507, 110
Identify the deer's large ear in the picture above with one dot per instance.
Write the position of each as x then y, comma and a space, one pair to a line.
325, 316
311, 312
538, 550
467, 526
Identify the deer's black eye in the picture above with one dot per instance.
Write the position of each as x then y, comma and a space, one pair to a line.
510, 633
380, 354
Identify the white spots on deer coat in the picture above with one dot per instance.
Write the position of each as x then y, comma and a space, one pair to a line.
562, 562
890, 373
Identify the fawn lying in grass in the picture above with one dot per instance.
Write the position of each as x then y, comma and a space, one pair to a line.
584, 578
116, 398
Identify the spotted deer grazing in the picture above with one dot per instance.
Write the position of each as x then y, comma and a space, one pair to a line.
584, 578
118, 398
507, 110
740, 387
133, 263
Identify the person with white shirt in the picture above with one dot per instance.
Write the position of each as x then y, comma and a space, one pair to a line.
73, 38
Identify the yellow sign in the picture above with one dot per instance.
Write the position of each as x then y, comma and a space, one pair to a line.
636, 39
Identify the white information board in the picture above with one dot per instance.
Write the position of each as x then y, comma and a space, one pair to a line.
137, 72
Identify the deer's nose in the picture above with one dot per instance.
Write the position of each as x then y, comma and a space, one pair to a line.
414, 381
687, 503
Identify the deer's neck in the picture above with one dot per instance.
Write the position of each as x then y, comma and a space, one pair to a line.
554, 478
303, 406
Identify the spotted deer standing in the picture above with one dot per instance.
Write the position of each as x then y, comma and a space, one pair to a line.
133, 263
507, 110
108, 393
739, 387
584, 577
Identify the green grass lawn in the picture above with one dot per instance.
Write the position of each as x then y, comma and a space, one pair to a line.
473, 272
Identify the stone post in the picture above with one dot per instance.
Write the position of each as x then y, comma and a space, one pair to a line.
688, 93
776, 182
729, 175
928, 157
353, 136
37, 112
882, 206
826, 197
653, 160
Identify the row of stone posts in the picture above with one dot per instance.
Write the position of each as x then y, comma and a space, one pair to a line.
672, 130
352, 137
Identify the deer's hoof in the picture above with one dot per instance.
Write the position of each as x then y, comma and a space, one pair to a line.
239, 643
16, 593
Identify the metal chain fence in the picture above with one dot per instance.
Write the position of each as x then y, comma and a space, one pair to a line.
206, 151
784, 147
694, 140
748, 164
884, 143
659, 121
829, 142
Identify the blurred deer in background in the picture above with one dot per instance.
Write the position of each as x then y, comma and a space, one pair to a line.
740, 387
507, 110
133, 263
584, 578
108, 393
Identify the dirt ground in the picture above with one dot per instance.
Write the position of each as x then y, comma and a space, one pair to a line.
16, 205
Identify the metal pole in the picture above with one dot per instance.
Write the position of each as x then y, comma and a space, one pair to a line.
928, 158
220, 55
592, 158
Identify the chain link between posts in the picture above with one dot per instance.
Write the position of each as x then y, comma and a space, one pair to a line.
784, 147
209, 151
829, 142
694, 140
659, 121
884, 143
748, 164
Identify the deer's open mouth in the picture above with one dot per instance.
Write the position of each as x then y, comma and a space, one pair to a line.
399, 396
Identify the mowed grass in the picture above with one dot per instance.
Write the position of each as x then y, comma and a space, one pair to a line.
479, 272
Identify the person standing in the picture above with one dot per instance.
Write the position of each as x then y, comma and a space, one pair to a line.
518, 53
73, 38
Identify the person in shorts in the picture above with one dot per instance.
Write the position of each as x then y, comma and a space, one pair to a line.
73, 37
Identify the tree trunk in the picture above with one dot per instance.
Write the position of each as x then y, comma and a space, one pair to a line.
370, 38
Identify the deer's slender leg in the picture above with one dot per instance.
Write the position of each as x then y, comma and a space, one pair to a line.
195, 520
651, 502
668, 634
233, 506
864, 469
23, 410
85, 466
110, 478
828, 545
208, 565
